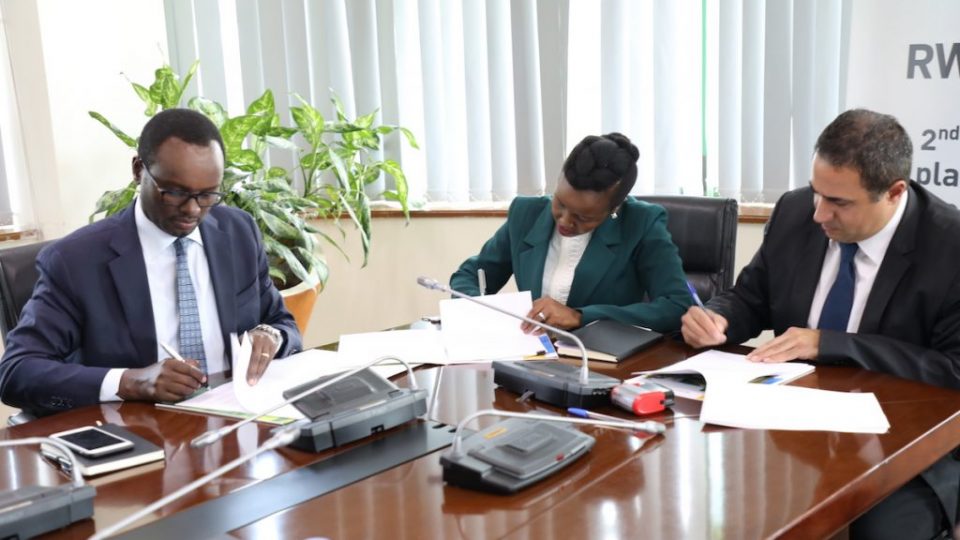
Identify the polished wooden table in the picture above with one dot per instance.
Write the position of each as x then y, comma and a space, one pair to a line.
695, 481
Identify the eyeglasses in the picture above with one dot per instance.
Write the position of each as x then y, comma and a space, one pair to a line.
178, 197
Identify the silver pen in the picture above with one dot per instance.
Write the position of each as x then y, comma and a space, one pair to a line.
482, 281
173, 354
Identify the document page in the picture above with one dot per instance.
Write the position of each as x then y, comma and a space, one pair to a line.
758, 406
474, 333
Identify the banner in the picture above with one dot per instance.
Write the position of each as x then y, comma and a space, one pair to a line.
904, 60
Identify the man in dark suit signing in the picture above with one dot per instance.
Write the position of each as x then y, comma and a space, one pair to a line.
173, 271
859, 268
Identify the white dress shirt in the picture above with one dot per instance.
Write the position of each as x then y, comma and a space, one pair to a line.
866, 262
563, 256
160, 258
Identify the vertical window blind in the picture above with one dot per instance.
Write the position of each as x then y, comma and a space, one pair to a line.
722, 98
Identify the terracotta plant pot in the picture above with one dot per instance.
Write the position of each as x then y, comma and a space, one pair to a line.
299, 300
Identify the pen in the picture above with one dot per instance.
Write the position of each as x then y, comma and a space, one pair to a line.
693, 292
171, 352
583, 413
176, 356
482, 281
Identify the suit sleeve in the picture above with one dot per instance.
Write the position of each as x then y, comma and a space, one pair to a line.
272, 309
38, 372
657, 263
746, 306
937, 364
495, 258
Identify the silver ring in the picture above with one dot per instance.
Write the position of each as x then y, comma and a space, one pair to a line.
541, 316
265, 354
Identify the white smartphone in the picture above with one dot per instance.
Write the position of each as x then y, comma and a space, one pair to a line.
92, 441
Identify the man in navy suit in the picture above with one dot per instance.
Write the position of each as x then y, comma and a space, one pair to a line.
174, 270
859, 268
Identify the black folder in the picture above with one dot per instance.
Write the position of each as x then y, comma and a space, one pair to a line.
609, 341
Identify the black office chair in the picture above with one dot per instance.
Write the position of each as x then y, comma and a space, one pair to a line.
705, 231
18, 275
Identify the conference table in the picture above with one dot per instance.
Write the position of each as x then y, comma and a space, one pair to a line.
694, 481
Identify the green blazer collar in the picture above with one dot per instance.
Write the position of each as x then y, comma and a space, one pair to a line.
533, 253
597, 259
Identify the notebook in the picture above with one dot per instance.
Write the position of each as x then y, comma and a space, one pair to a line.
609, 341
143, 452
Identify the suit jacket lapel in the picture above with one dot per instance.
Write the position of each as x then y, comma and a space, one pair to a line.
216, 245
807, 275
533, 254
895, 264
129, 274
597, 259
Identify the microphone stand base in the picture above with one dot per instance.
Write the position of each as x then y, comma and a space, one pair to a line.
346, 426
33, 510
554, 382
514, 454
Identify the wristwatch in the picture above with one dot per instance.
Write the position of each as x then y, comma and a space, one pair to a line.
272, 332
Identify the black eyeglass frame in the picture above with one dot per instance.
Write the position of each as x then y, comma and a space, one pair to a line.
181, 195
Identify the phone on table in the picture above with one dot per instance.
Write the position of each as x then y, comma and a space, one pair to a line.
91, 441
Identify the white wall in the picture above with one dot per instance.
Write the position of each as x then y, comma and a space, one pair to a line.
68, 58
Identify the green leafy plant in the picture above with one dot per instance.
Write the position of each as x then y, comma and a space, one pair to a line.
335, 162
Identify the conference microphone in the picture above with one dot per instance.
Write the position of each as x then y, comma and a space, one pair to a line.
34, 510
513, 454
550, 381
282, 437
215, 435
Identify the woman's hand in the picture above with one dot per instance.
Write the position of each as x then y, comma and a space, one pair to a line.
551, 312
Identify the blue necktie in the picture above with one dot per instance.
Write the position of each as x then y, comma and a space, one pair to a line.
189, 334
836, 309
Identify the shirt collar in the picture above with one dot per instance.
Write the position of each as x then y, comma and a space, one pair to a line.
876, 246
153, 239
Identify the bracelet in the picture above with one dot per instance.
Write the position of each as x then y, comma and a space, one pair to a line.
272, 332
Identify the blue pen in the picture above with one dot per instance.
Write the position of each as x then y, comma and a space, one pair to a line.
583, 413
693, 293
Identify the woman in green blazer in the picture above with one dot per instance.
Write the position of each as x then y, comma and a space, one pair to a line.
589, 252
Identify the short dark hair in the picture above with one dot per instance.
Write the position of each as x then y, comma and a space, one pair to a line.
187, 125
874, 144
599, 162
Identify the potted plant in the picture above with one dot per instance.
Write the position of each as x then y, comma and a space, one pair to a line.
333, 166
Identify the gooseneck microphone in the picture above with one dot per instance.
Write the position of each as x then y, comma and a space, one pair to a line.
282, 437
550, 381
511, 455
215, 435
30, 511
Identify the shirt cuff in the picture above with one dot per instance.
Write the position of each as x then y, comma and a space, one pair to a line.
111, 385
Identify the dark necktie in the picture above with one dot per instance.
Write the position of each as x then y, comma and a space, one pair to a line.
189, 334
836, 309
